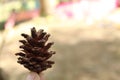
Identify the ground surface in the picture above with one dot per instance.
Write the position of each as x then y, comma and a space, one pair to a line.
82, 54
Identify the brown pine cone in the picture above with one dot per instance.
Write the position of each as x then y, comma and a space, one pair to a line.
35, 51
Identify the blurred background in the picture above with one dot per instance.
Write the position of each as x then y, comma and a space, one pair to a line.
86, 35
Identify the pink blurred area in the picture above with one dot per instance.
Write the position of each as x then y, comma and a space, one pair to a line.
79, 8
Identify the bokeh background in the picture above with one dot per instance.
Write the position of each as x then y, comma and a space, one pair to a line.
86, 35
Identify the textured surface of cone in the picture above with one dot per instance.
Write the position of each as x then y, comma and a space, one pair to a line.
35, 52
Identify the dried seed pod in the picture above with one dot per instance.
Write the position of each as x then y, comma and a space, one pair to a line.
35, 51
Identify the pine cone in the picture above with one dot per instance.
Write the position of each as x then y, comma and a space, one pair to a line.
35, 51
